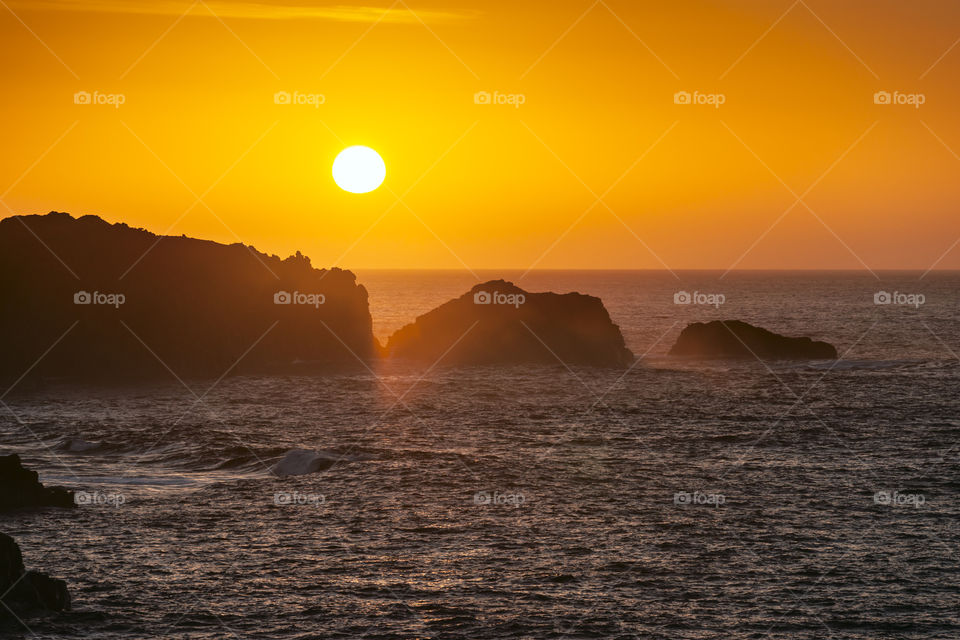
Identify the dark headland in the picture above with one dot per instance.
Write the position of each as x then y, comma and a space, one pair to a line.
139, 303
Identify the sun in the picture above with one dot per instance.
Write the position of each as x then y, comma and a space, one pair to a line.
359, 169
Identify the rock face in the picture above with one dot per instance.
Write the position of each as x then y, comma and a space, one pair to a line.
199, 306
20, 488
497, 322
26, 592
736, 339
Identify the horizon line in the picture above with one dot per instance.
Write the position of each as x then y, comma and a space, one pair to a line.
660, 270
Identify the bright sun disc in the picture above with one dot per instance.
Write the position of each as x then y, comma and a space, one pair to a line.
359, 169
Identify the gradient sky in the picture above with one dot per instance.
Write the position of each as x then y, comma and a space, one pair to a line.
490, 186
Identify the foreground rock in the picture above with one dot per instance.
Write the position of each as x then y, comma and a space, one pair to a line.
21, 488
27, 592
736, 339
498, 322
200, 307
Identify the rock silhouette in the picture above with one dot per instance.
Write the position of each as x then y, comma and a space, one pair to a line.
21, 488
27, 592
498, 322
737, 339
137, 299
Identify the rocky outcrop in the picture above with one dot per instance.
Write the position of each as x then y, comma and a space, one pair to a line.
199, 306
736, 339
21, 488
498, 322
27, 592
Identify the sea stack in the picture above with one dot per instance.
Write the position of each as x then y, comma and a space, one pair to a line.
497, 322
735, 339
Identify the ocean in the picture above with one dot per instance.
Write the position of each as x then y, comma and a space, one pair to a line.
680, 499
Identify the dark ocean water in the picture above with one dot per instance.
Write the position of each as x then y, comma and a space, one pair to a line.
677, 500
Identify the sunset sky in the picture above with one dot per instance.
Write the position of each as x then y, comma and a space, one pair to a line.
498, 185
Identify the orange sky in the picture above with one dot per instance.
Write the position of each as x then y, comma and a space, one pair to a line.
489, 186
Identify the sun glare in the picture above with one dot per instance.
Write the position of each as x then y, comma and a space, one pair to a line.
359, 169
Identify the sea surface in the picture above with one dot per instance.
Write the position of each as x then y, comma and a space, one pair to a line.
679, 499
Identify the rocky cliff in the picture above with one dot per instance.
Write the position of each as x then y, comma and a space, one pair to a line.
139, 303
